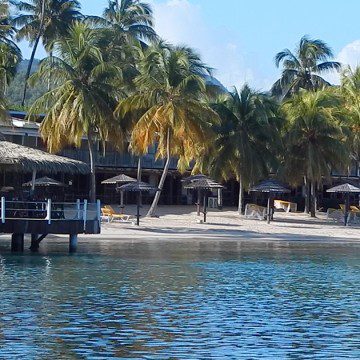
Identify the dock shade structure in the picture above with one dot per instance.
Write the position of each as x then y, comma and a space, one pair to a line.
204, 183
189, 180
345, 189
137, 187
119, 180
20, 158
45, 182
270, 187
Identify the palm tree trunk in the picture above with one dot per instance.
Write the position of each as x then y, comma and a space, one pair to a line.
29, 68
154, 204
241, 197
313, 195
139, 169
50, 77
307, 195
32, 57
92, 169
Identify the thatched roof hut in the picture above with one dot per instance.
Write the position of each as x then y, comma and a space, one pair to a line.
20, 158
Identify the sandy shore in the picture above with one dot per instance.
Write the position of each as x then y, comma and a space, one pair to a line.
180, 223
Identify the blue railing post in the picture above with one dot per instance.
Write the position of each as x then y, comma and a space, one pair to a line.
85, 213
3, 209
48, 211
78, 205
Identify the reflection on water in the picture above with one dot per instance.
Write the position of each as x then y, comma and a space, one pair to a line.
181, 301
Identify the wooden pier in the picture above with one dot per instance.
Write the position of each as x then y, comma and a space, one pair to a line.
41, 218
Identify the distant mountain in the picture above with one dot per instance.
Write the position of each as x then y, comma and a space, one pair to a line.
16, 88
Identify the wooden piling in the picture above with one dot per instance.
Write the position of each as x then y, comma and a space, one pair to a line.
17, 242
73, 243
34, 246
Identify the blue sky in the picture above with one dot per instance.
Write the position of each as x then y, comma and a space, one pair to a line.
240, 38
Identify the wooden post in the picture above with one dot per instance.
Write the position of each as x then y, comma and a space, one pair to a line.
34, 242
122, 201
198, 202
205, 206
347, 205
3, 209
269, 209
48, 211
85, 213
33, 181
220, 199
17, 242
138, 209
73, 243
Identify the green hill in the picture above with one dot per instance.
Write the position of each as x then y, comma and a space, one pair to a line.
16, 88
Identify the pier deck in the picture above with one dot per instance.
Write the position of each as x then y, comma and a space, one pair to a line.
40, 219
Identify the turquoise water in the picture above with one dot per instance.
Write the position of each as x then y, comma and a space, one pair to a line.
181, 301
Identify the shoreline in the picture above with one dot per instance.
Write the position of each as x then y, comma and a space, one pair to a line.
177, 224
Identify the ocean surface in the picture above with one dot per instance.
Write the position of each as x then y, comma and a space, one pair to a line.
181, 300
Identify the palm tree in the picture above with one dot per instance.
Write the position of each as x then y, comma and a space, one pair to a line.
83, 102
45, 20
172, 114
128, 20
10, 54
315, 143
350, 89
302, 69
248, 137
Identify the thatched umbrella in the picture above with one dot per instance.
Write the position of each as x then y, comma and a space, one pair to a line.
119, 179
138, 187
346, 189
20, 158
271, 187
190, 179
44, 181
204, 183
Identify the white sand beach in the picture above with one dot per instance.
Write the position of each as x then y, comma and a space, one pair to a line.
179, 223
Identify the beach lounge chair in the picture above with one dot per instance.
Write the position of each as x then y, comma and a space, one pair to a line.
336, 215
287, 206
117, 216
253, 211
105, 215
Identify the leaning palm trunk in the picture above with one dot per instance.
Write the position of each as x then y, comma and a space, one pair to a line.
313, 201
241, 197
307, 195
154, 204
32, 57
92, 169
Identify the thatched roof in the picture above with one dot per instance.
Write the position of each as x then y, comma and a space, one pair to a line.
24, 159
121, 179
190, 179
203, 183
270, 186
137, 186
44, 181
344, 188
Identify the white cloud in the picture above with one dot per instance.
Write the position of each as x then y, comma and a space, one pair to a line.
181, 22
349, 55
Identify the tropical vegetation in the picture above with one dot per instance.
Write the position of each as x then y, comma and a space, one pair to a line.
112, 80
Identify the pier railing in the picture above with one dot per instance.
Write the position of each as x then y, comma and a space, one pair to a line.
50, 211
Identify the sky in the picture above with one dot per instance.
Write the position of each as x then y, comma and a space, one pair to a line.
239, 38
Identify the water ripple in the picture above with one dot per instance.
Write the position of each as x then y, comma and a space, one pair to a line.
181, 302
